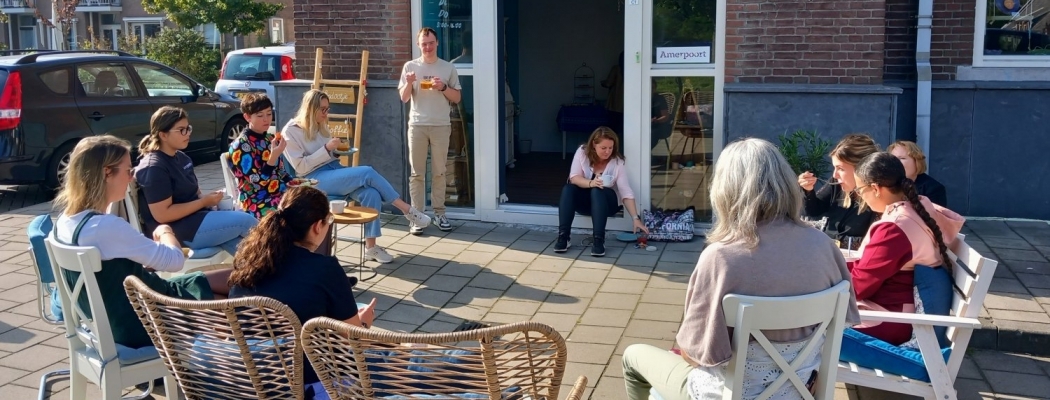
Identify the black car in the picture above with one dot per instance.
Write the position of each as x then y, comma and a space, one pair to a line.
49, 100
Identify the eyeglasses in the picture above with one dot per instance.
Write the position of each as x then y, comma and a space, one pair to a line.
858, 191
324, 110
184, 131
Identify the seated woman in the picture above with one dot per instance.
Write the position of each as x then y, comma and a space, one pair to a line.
596, 186
846, 221
310, 148
100, 173
169, 193
757, 246
915, 167
255, 159
911, 232
277, 261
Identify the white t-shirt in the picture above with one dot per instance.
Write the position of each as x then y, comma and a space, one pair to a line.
116, 238
430, 107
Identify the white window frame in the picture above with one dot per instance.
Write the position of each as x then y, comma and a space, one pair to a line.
212, 40
130, 22
982, 60
271, 32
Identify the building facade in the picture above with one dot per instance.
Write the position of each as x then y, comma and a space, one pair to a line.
678, 79
112, 20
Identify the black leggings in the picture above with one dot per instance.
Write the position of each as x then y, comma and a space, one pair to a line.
599, 203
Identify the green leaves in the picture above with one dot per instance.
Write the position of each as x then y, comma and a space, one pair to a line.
806, 151
229, 16
186, 51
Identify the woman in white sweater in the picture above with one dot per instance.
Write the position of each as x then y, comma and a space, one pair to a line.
310, 151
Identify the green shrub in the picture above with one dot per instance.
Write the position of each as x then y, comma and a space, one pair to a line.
806, 151
186, 50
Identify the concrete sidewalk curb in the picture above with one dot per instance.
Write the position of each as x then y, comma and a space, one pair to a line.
1011, 337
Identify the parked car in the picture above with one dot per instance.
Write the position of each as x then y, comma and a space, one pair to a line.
49, 100
251, 70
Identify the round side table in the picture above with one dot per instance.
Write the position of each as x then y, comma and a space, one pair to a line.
353, 215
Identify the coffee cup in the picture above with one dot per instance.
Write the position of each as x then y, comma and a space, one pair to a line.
337, 206
607, 180
343, 146
226, 204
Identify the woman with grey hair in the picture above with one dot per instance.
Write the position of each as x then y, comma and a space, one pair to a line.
757, 246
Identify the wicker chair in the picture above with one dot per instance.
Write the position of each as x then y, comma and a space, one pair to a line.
245, 348
525, 360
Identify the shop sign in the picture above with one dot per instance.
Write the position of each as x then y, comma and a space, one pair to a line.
683, 55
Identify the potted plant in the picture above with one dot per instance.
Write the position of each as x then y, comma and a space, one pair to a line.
806, 151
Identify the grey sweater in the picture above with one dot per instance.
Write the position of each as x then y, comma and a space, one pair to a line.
790, 260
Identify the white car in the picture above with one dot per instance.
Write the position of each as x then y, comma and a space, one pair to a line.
251, 70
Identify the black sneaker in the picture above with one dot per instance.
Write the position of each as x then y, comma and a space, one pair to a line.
598, 247
563, 244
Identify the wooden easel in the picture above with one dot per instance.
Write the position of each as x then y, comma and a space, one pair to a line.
348, 92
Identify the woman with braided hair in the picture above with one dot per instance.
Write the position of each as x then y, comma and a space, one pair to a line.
912, 233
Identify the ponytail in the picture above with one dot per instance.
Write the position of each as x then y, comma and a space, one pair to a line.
908, 189
149, 144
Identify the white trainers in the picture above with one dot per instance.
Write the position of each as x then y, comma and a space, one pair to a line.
417, 218
378, 254
415, 229
442, 223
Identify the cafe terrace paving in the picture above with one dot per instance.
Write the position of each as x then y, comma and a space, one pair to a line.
497, 274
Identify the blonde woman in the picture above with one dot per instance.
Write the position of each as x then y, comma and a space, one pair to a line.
846, 220
915, 166
310, 151
169, 193
99, 174
758, 246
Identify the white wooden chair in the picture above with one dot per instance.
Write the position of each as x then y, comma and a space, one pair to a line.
973, 274
230, 181
93, 355
197, 259
750, 315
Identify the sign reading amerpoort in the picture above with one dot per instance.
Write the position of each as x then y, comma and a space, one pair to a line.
683, 55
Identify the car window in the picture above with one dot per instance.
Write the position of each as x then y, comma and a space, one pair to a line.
252, 67
106, 80
160, 81
56, 80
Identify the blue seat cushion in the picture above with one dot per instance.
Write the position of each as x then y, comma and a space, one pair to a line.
935, 289
128, 355
37, 231
869, 352
207, 252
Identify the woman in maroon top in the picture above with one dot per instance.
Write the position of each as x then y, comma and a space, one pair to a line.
912, 232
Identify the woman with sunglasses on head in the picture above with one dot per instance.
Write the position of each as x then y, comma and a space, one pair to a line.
912, 233
277, 260
311, 152
845, 220
99, 174
169, 193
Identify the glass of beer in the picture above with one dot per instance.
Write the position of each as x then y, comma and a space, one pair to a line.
344, 145
426, 83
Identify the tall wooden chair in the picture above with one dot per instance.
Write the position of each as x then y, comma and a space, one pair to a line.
345, 92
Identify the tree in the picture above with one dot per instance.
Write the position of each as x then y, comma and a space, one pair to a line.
186, 51
229, 16
65, 13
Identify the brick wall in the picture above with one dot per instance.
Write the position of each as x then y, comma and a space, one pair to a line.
816, 41
952, 37
383, 27
901, 19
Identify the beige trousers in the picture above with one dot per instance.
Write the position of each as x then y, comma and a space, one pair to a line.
420, 139
646, 367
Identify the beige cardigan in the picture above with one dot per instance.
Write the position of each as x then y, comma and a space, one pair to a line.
790, 260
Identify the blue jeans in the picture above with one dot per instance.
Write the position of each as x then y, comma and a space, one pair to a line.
224, 229
363, 184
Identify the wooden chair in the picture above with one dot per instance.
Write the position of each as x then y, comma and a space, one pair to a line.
197, 259
245, 348
345, 92
973, 274
525, 360
695, 130
93, 354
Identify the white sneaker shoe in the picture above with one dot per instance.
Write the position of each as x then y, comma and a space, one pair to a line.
442, 223
415, 229
417, 218
378, 254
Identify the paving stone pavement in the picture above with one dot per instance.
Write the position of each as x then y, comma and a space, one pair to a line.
482, 271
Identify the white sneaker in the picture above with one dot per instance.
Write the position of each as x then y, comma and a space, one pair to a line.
415, 229
378, 254
417, 218
442, 223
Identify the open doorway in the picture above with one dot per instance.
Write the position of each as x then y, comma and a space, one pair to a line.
563, 68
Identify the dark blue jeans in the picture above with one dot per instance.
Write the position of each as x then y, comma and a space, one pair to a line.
599, 203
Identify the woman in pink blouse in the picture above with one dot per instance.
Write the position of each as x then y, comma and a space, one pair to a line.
597, 185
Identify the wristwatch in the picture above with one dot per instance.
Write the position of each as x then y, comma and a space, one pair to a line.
443, 87
638, 217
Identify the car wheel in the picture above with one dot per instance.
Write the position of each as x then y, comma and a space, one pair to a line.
232, 130
56, 168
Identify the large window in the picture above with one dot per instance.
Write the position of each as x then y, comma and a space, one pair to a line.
143, 28
210, 33
683, 31
162, 82
1012, 33
452, 21
682, 142
277, 30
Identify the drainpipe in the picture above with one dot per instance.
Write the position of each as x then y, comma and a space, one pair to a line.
924, 80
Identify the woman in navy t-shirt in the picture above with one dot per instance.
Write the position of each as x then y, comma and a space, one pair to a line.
277, 261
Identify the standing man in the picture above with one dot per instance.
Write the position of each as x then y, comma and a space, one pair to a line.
430, 83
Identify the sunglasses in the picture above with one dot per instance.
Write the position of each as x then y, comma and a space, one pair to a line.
324, 110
